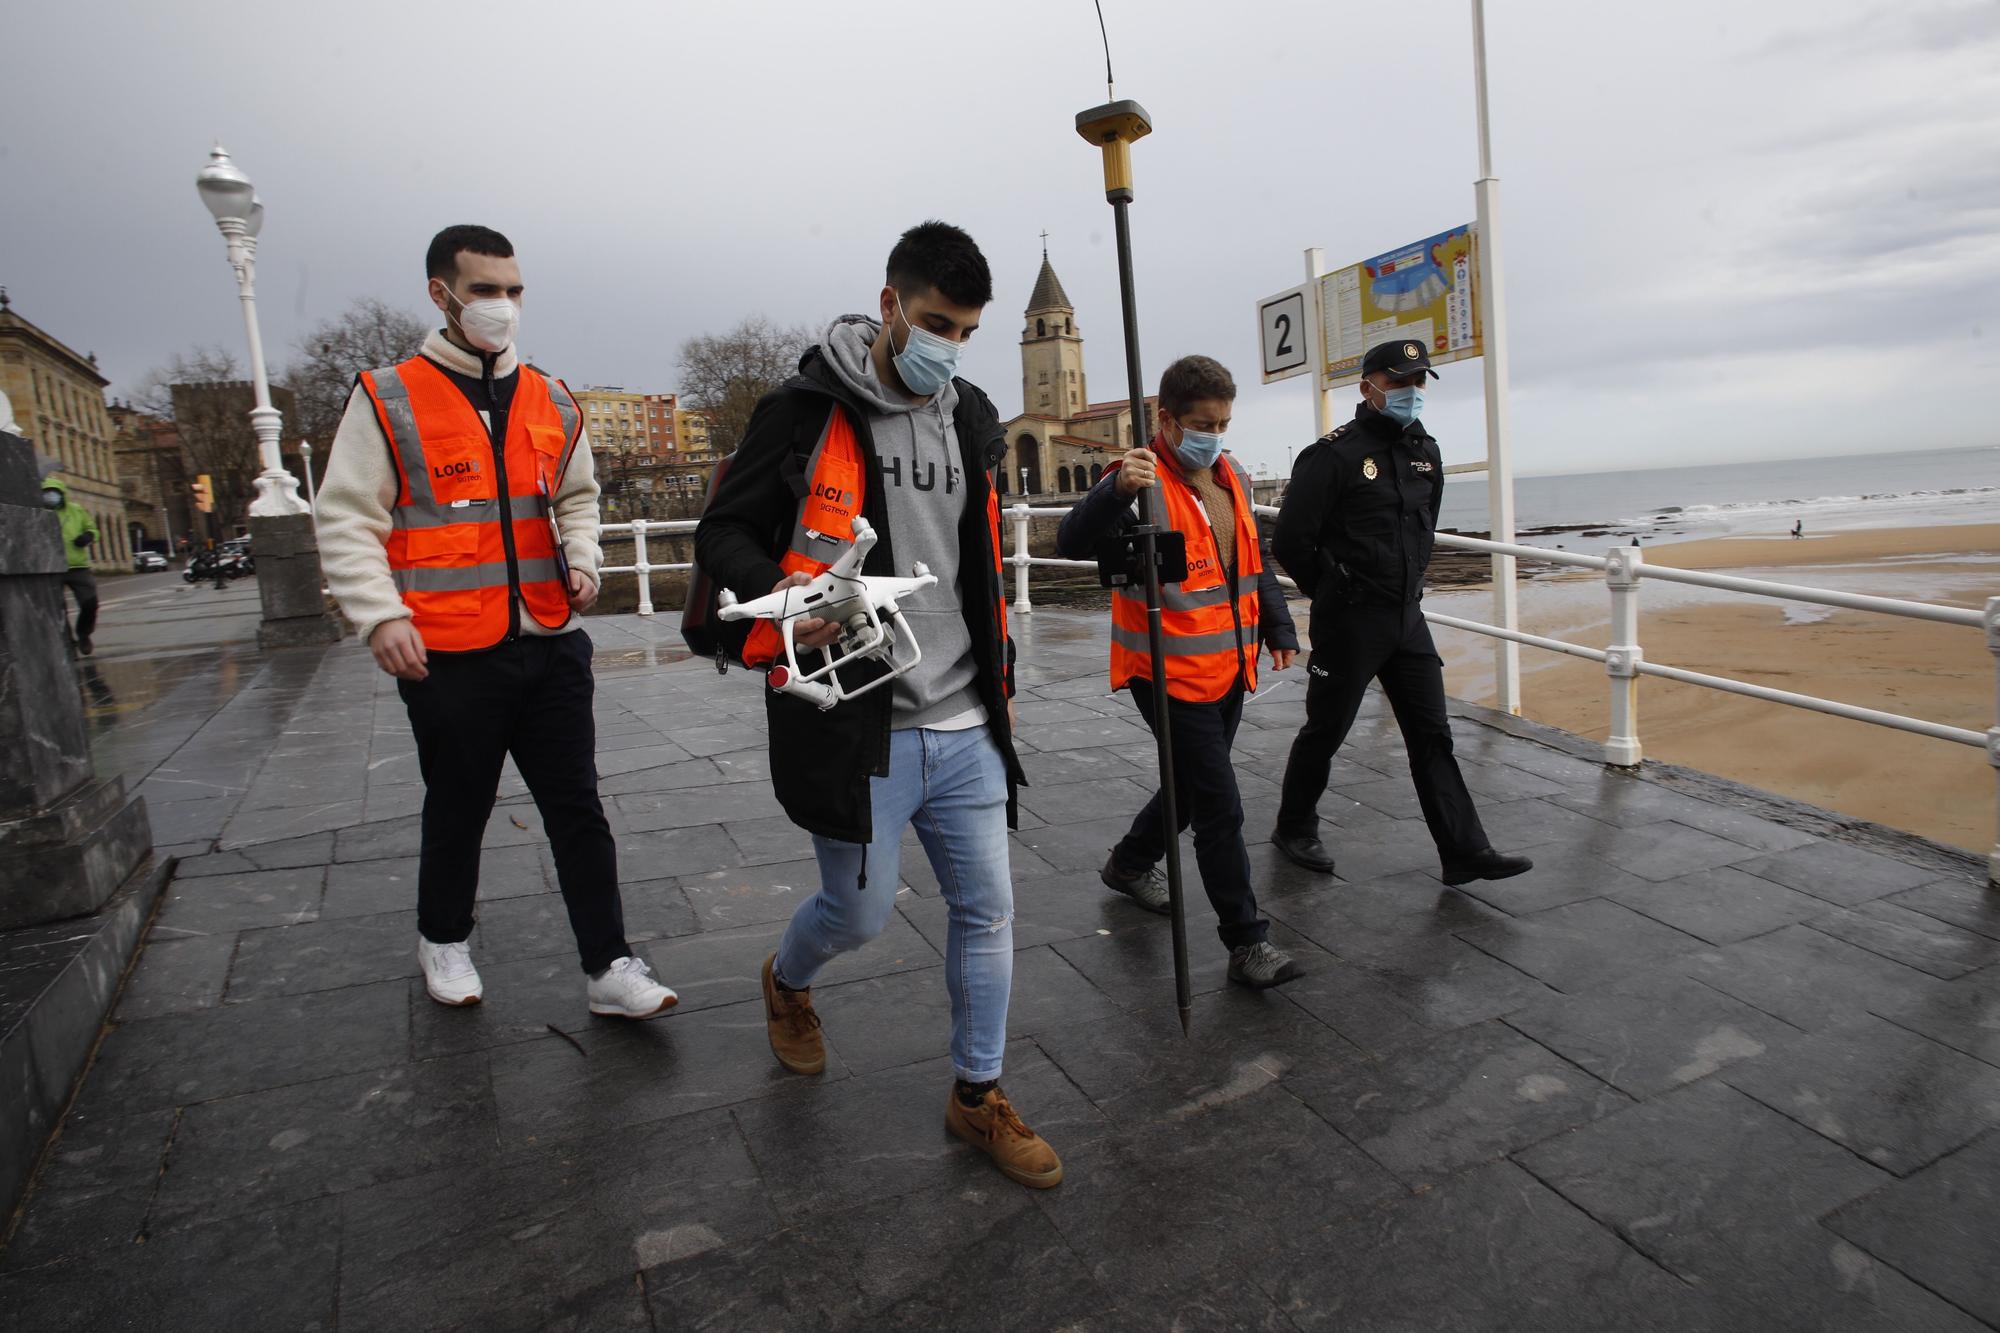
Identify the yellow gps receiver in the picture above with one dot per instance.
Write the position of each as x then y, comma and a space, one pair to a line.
1113, 127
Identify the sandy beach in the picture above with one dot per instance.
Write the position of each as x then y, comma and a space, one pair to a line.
1941, 673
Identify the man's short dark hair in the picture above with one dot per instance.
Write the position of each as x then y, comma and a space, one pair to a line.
937, 254
1193, 378
441, 260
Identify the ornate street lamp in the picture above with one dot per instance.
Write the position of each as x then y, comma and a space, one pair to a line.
239, 215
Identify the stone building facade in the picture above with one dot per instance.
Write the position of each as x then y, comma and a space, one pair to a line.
58, 398
154, 477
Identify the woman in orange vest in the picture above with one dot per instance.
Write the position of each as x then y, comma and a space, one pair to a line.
1214, 623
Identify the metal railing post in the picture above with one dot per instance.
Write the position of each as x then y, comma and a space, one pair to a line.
641, 567
1993, 737
1022, 605
1622, 655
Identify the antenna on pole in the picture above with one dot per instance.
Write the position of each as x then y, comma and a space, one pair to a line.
1110, 88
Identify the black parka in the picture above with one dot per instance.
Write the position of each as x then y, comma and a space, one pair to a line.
1360, 513
821, 760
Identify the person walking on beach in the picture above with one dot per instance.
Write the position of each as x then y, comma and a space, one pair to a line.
876, 423
79, 533
1215, 623
458, 529
1355, 533
1798, 528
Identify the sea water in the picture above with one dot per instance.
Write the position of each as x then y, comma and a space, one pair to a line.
1914, 489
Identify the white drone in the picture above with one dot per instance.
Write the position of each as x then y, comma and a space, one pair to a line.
864, 607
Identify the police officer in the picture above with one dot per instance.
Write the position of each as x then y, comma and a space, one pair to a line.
1356, 534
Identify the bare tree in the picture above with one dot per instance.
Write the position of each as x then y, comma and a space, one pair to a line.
724, 374
201, 391
367, 335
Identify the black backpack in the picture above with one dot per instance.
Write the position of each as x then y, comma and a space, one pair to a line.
704, 630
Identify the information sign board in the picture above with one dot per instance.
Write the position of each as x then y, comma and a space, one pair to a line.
1423, 292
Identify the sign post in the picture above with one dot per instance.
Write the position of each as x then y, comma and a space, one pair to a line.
1499, 461
1446, 292
1290, 338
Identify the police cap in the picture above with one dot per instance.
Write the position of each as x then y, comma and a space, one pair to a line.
1404, 356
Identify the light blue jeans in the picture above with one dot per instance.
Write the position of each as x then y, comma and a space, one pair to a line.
953, 786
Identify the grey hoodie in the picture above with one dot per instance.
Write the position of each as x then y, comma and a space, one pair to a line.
923, 489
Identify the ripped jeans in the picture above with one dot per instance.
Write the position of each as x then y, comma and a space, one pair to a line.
953, 786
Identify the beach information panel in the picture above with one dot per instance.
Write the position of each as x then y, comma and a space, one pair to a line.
1423, 291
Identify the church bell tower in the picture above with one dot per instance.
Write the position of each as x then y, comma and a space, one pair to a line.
1052, 382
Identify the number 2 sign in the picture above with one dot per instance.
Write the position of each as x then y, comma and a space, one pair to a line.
1285, 329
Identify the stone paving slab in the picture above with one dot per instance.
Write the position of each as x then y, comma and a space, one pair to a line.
1717, 1063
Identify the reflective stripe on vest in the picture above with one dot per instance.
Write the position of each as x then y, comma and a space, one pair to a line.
465, 577
449, 537
1208, 624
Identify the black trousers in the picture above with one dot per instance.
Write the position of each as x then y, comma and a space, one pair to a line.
1353, 645
1204, 795
83, 584
530, 698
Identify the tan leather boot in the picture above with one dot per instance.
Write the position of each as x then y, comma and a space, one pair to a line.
792, 1025
994, 1128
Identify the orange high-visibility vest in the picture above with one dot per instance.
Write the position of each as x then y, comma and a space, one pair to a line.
1209, 623
836, 482
459, 519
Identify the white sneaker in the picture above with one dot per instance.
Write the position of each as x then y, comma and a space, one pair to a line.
627, 990
449, 974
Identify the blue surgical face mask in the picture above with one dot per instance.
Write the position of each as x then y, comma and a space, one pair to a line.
1198, 448
1403, 405
927, 362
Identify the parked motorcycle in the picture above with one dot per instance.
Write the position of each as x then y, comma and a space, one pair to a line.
215, 566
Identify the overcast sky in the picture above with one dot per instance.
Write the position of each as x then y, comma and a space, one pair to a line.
1732, 230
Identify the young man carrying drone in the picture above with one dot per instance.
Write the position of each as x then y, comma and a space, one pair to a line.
876, 426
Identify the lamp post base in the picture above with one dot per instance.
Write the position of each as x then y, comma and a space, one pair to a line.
289, 583
277, 495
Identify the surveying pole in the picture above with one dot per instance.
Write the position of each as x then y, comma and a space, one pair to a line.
1114, 127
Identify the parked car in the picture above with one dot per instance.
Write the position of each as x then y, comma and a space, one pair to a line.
145, 562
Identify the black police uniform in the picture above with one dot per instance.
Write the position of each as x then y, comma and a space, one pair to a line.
1356, 533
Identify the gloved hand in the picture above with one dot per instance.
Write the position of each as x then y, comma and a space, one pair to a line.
84, 538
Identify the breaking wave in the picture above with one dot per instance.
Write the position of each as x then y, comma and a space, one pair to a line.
1742, 509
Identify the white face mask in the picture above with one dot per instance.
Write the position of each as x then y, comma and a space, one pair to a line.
489, 325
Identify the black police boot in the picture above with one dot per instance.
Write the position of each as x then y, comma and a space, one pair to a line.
1303, 849
1486, 864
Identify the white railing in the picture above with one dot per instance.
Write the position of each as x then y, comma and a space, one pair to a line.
1624, 568
637, 530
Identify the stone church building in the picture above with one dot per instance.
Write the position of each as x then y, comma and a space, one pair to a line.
1062, 442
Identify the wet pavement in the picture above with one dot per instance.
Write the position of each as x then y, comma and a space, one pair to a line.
1718, 1062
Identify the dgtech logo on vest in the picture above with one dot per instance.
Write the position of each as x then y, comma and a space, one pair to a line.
464, 467
833, 495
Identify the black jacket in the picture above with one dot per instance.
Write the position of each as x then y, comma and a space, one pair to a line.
1104, 511
1358, 518
820, 760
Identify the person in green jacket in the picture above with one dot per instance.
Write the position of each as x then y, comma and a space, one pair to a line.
79, 532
